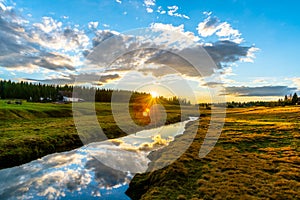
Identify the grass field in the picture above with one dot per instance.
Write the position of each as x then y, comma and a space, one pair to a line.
256, 157
32, 130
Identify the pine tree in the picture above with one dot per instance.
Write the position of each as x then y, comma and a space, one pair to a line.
295, 99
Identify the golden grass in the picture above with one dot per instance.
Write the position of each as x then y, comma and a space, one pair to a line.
256, 157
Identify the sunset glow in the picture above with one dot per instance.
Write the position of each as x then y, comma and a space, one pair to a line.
154, 94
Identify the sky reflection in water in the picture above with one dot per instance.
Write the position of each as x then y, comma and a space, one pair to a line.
78, 174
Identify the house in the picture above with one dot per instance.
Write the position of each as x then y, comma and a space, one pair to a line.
72, 99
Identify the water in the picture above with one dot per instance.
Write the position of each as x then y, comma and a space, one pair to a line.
98, 170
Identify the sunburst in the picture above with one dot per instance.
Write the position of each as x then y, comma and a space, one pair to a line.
154, 94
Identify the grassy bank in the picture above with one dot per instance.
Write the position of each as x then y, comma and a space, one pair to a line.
256, 157
32, 130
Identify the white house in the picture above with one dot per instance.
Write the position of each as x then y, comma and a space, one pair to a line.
72, 99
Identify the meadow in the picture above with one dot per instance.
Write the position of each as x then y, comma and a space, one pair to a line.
32, 130
256, 157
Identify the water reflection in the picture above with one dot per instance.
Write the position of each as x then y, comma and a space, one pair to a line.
80, 174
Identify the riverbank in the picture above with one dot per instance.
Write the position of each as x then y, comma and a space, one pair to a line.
97, 170
256, 157
32, 130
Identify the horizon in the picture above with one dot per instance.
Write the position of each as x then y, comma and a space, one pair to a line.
155, 94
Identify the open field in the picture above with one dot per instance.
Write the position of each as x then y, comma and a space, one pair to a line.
32, 130
256, 157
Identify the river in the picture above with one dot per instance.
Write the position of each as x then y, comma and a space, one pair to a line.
97, 170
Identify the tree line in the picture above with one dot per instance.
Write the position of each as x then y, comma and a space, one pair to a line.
288, 100
51, 93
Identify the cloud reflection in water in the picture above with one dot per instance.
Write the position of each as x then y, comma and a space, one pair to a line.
80, 173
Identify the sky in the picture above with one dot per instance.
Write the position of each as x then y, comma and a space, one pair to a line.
206, 50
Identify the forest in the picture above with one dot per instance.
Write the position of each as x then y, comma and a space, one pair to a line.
32, 92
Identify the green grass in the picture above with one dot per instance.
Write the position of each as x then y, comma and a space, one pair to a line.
32, 130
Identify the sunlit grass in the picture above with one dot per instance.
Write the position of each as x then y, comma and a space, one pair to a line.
256, 157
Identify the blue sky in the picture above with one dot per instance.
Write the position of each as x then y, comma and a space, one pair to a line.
253, 43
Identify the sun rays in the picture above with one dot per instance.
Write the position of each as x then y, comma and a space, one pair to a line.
154, 94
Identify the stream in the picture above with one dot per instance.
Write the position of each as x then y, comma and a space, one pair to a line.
100, 170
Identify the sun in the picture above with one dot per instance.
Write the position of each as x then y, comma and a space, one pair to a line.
154, 94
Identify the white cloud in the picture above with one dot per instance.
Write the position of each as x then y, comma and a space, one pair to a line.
175, 29
173, 12
93, 25
296, 81
119, 1
51, 34
208, 27
226, 32
149, 4
3, 7
160, 10
48, 25
212, 25
250, 55
149, 10
41, 45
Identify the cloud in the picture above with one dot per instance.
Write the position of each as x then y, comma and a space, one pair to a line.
259, 91
54, 61
296, 81
160, 10
13, 38
93, 25
48, 25
2, 6
96, 79
44, 44
102, 35
250, 55
149, 4
208, 27
151, 51
227, 52
173, 12
164, 49
177, 30
212, 25
212, 84
119, 1
51, 34
149, 10
179, 62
